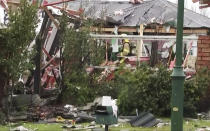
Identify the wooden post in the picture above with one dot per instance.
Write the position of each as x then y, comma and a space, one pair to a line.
139, 44
106, 52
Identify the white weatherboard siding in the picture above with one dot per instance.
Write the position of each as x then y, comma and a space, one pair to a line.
195, 7
1, 15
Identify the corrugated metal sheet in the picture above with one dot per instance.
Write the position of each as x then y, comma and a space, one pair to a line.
144, 120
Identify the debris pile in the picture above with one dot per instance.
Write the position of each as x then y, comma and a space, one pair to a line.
144, 120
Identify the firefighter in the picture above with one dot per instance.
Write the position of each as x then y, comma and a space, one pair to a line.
125, 50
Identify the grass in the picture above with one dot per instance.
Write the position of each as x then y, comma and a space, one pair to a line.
191, 125
33, 126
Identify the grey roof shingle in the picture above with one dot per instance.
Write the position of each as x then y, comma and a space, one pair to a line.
154, 11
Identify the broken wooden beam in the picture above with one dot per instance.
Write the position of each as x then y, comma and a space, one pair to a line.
146, 30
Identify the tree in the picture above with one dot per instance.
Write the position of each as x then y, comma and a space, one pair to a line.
15, 55
79, 51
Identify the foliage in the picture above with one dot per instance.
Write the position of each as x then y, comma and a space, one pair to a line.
3, 117
195, 93
106, 88
145, 89
20, 31
203, 85
79, 51
191, 97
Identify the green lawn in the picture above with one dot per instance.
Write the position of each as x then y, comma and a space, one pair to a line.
188, 126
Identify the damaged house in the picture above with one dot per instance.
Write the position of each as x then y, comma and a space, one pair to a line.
137, 17
158, 17
151, 17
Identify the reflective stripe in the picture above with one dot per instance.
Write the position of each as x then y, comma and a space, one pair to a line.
126, 50
121, 54
122, 60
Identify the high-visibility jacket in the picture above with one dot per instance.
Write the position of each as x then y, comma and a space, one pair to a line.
126, 49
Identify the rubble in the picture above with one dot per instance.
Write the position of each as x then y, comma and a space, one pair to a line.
161, 124
84, 117
21, 128
17, 117
144, 120
203, 129
125, 119
203, 116
59, 119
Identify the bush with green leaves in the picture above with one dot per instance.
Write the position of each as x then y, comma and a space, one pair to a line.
15, 54
203, 87
3, 118
149, 90
144, 89
196, 98
79, 52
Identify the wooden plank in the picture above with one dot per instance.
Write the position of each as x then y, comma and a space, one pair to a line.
205, 6
16, 2
195, 31
161, 30
140, 43
51, 17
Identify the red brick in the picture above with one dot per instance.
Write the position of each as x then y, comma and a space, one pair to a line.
206, 50
206, 41
201, 45
204, 66
204, 37
203, 62
206, 58
206, 62
199, 50
203, 54
200, 62
199, 58
198, 66
199, 41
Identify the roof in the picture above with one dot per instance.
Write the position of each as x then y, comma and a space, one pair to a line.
128, 14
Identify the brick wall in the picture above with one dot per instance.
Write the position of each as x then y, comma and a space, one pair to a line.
203, 59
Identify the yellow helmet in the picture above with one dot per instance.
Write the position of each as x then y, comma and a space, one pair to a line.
126, 40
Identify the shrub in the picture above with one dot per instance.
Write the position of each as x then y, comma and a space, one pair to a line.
149, 90
77, 90
3, 118
191, 97
146, 90
196, 93
203, 85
